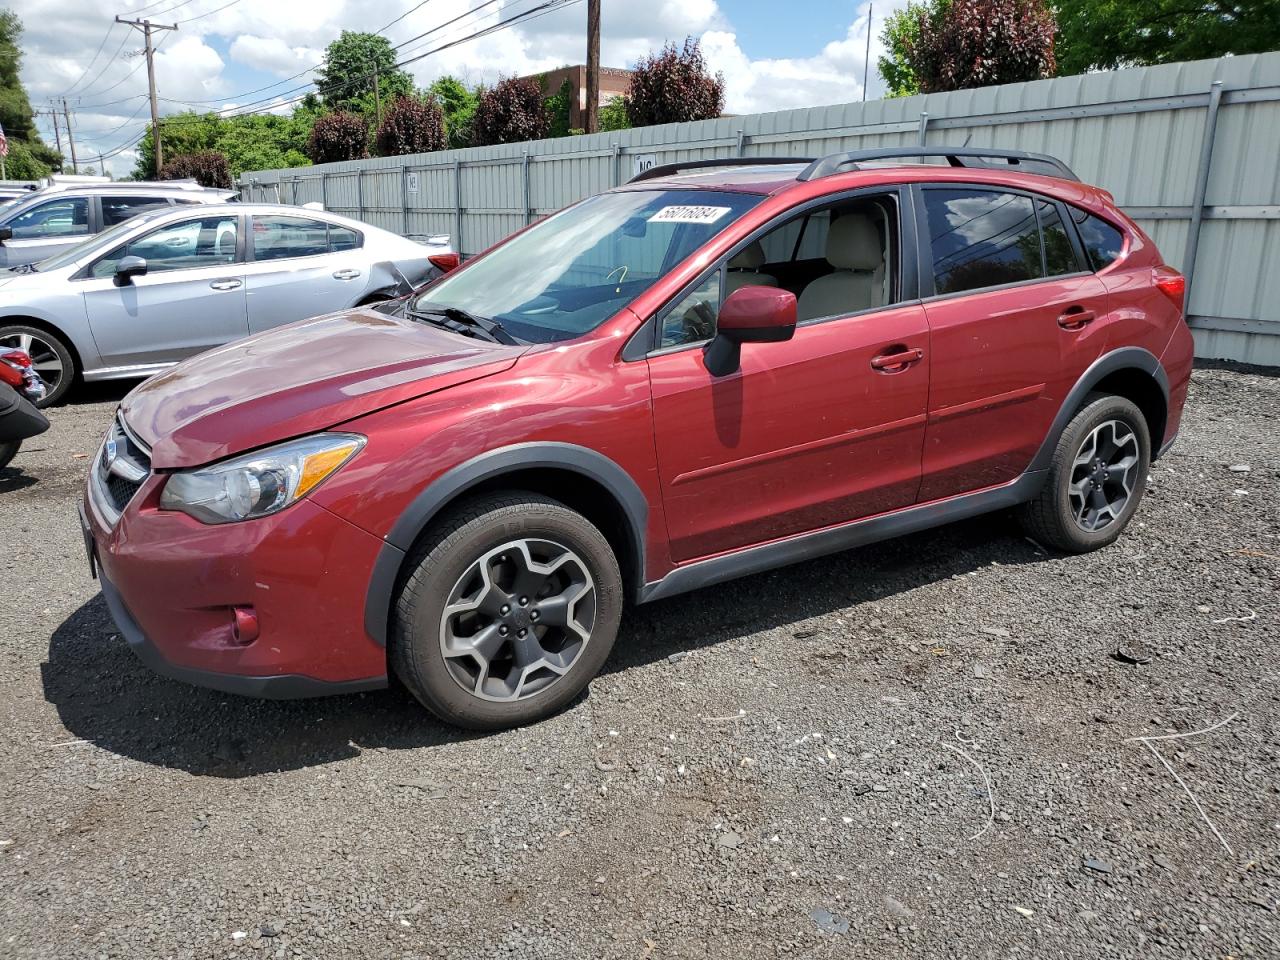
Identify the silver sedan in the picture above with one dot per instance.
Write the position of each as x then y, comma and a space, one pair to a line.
177, 281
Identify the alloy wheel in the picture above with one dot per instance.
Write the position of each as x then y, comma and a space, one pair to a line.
1103, 475
518, 619
44, 358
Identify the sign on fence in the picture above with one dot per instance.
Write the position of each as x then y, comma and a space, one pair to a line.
642, 162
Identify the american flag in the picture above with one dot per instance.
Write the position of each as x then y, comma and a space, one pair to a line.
4, 144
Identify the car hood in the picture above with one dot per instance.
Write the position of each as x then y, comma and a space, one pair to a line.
297, 379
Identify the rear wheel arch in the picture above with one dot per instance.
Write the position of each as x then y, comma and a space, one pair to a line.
1144, 391
577, 477
1130, 372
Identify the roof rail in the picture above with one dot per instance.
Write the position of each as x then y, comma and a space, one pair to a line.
955, 156
668, 169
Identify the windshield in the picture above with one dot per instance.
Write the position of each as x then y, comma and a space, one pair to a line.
568, 274
102, 241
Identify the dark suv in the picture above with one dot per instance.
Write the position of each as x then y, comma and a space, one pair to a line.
718, 368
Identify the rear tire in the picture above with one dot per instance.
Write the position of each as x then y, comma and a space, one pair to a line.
1096, 478
51, 355
510, 607
8, 451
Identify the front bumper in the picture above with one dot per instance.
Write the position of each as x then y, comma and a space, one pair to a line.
172, 583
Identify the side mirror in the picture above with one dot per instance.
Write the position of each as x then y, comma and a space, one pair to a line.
749, 315
128, 268
6, 233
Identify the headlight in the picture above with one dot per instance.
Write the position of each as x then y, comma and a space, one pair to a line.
260, 483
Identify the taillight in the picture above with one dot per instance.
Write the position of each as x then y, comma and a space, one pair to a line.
1172, 284
11, 376
445, 261
19, 358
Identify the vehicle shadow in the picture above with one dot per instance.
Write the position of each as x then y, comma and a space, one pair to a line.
15, 478
104, 695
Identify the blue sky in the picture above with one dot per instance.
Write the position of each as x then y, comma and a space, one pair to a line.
223, 50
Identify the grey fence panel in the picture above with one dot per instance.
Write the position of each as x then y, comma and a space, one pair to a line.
1142, 134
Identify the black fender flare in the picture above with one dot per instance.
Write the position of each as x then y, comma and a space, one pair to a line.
1124, 358
494, 463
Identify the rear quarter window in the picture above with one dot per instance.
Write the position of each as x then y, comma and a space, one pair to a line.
1102, 242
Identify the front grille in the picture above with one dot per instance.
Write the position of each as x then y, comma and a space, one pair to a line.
122, 467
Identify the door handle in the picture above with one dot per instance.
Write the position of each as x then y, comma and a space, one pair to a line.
1076, 318
345, 274
897, 361
224, 284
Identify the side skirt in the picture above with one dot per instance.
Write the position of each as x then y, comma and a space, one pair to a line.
780, 553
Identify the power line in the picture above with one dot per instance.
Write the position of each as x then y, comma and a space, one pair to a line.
105, 37
533, 13
201, 16
106, 66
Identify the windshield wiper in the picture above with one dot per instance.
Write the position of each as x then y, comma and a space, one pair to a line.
464, 322
23, 268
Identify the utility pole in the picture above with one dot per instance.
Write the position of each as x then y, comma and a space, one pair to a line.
52, 113
71, 140
377, 98
866, 64
146, 26
592, 122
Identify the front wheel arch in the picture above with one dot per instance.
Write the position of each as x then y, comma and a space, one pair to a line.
580, 478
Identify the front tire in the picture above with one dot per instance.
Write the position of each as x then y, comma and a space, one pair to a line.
1096, 478
50, 355
510, 608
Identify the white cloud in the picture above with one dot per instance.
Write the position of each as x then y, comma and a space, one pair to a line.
273, 55
285, 37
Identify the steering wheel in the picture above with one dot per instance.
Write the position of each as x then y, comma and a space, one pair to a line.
700, 321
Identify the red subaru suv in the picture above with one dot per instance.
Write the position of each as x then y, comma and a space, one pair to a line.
719, 368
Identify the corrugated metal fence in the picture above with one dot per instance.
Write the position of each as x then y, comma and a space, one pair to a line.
1190, 150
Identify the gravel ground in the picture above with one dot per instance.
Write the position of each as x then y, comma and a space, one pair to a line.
795, 764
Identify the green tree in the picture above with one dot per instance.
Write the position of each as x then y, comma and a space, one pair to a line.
345, 79
253, 142
1104, 34
559, 108
613, 115
901, 34
459, 106
19, 122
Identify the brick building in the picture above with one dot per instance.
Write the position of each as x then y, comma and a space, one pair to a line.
613, 83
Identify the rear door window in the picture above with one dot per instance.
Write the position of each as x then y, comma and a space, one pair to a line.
988, 238
1102, 242
282, 238
1059, 252
119, 209
340, 238
981, 238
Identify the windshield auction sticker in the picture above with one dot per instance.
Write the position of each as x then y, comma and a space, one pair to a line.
688, 214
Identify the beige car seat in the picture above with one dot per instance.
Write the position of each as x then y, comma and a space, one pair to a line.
857, 280
744, 269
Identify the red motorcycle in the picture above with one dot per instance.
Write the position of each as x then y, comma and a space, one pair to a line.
20, 390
